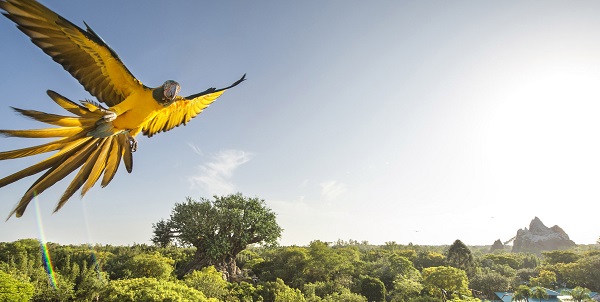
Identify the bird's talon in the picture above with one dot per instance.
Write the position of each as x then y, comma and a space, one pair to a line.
109, 116
132, 144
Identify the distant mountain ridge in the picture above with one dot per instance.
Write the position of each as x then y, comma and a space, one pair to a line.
540, 238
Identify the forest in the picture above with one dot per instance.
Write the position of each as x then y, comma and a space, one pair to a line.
225, 249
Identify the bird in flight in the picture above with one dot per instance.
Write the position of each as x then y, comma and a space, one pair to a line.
94, 138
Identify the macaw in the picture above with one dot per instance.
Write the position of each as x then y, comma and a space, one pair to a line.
94, 139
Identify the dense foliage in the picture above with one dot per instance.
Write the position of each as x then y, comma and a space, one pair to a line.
203, 244
340, 271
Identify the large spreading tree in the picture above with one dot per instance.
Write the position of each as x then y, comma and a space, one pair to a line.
219, 229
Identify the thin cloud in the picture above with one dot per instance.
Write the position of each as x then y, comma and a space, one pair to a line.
215, 176
332, 189
196, 149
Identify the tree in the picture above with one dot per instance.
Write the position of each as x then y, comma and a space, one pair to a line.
13, 289
326, 263
459, 256
545, 279
209, 281
558, 256
150, 290
489, 282
512, 260
372, 288
245, 292
346, 296
91, 284
278, 291
579, 294
428, 259
219, 229
522, 293
322, 289
539, 292
391, 265
286, 263
447, 280
584, 272
405, 289
151, 266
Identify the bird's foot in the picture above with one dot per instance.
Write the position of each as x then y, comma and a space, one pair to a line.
109, 116
132, 144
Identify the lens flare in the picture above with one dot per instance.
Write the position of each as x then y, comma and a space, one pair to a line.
89, 239
44, 247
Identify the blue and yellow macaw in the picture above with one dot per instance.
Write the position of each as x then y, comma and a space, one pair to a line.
96, 139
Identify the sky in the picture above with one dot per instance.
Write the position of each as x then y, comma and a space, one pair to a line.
405, 121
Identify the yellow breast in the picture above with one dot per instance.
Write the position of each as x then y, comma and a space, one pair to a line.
135, 110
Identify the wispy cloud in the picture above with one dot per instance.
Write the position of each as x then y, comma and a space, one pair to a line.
215, 175
196, 149
332, 189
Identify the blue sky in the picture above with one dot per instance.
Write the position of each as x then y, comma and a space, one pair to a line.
406, 121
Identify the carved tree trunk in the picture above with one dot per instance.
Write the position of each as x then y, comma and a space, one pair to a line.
228, 266
198, 262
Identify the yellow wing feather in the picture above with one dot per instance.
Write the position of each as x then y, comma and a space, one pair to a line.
183, 110
178, 113
82, 53
99, 166
77, 150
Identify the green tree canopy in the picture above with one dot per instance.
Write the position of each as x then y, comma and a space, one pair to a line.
372, 288
151, 266
446, 279
545, 279
489, 282
219, 229
286, 263
209, 281
326, 263
459, 256
585, 272
150, 290
559, 256
522, 293
539, 292
278, 291
405, 288
579, 294
13, 289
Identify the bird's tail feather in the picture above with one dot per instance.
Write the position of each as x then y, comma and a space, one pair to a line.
77, 149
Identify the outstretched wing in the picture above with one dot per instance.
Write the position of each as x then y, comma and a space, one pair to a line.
183, 110
81, 52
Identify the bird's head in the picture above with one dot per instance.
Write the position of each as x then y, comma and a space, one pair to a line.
166, 93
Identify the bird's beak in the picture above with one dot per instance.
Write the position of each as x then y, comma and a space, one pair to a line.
171, 91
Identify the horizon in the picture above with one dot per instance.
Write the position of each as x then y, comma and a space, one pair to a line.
420, 122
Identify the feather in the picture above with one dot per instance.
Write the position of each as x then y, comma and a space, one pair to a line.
99, 165
65, 151
53, 175
43, 133
51, 146
82, 53
56, 120
112, 161
82, 175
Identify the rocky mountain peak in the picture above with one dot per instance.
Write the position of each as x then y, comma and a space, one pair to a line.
537, 226
540, 238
